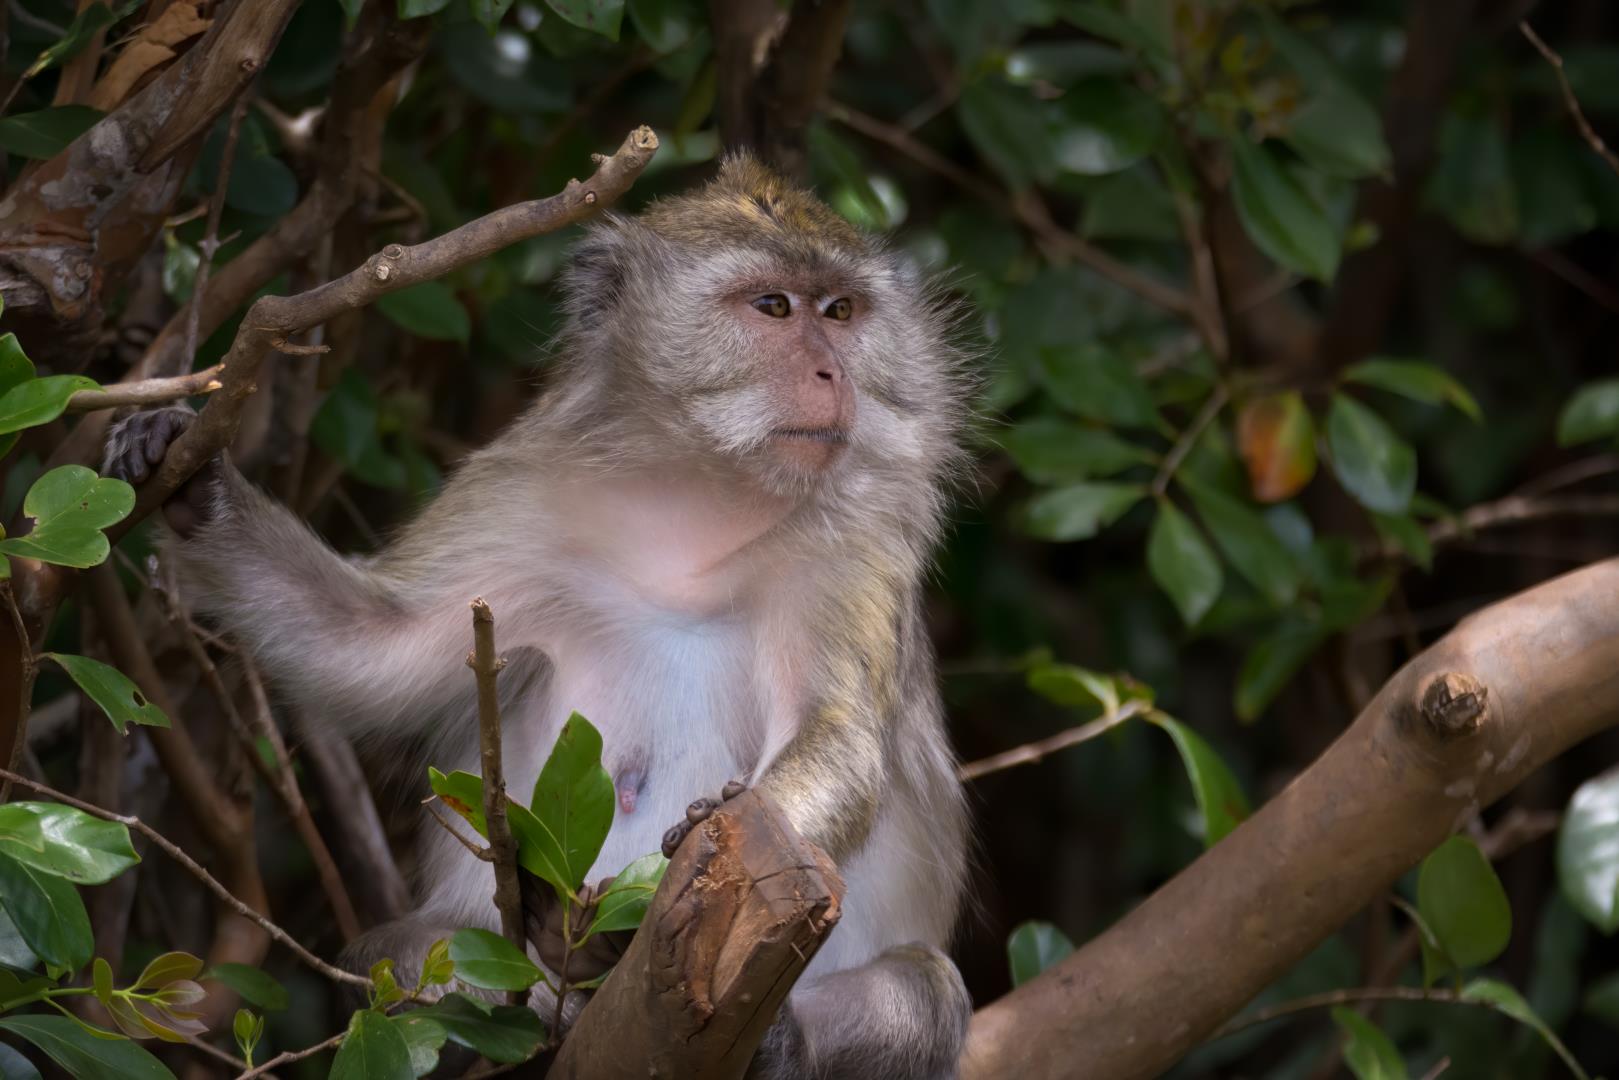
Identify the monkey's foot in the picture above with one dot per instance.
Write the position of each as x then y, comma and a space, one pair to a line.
696, 814
136, 448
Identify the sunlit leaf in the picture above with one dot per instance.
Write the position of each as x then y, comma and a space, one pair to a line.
490, 962
1461, 900
1182, 563
1066, 684
1588, 851
626, 900
112, 690
167, 968
574, 799
66, 841
1033, 947
39, 401
47, 912
70, 506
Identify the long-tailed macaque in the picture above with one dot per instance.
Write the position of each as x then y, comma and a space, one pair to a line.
708, 537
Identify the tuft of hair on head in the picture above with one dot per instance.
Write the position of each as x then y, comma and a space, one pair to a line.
749, 202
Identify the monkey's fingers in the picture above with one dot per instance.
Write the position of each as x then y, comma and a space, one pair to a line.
696, 814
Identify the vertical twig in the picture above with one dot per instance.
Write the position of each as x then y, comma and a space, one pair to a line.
210, 237
502, 847
25, 689
1587, 132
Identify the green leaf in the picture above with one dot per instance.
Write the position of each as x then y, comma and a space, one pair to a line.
1339, 134
46, 133
351, 11
83, 1055
1057, 452
1099, 384
601, 16
261, 184
14, 951
1104, 125
1416, 380
490, 962
462, 792
1033, 947
1271, 663
15, 367
437, 967
255, 986
416, 9
48, 913
505, 69
39, 401
111, 689
1592, 413
1182, 564
248, 1028
1462, 902
665, 25
1509, 1001
1373, 464
429, 310
167, 968
836, 159
101, 980
624, 904
1588, 851
574, 799
1252, 548
70, 506
1079, 511
1074, 687
373, 1049
424, 1037
1367, 1051
1219, 797
1008, 126
1279, 215
490, 12
502, 1033
1602, 1000
65, 841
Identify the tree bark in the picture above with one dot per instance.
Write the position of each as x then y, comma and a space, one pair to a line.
1456, 728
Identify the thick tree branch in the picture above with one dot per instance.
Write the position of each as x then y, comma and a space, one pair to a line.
1460, 725
742, 908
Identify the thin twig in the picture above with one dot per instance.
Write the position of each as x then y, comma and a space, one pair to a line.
1511, 510
1439, 1069
1030, 753
147, 391
25, 689
438, 815
1188, 438
486, 665
215, 1052
210, 238
1586, 130
287, 1057
336, 974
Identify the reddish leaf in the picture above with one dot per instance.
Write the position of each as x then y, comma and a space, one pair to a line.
1277, 441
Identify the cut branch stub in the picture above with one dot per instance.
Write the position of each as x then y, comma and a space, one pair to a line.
744, 905
1454, 704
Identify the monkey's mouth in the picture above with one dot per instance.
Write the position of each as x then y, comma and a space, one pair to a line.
832, 436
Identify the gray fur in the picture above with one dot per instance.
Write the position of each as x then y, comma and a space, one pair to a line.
806, 670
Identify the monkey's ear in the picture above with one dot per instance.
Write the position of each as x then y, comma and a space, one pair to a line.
594, 281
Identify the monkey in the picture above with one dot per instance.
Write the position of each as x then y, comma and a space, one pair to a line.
708, 535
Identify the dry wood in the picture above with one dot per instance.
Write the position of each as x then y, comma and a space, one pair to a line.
744, 905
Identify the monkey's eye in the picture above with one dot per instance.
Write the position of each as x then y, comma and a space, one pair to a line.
773, 304
839, 309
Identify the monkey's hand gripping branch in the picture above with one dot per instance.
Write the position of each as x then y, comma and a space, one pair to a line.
272, 320
743, 906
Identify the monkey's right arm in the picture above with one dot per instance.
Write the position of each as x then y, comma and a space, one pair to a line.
359, 648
